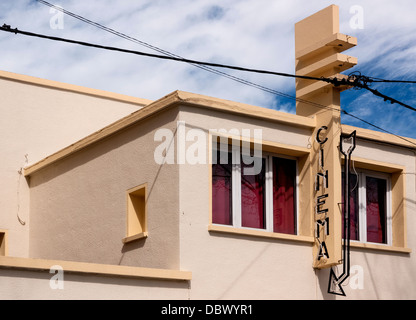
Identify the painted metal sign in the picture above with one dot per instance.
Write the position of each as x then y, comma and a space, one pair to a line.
322, 219
336, 281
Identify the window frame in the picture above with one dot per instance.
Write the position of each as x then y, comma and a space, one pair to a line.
269, 191
362, 205
236, 189
136, 221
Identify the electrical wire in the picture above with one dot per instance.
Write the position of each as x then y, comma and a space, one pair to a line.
377, 127
7, 28
203, 67
361, 82
334, 81
357, 83
165, 52
374, 79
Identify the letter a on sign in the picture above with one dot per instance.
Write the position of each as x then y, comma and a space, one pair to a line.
323, 251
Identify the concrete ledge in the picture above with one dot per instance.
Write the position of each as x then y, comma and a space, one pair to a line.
55, 85
259, 233
380, 247
141, 235
94, 268
340, 41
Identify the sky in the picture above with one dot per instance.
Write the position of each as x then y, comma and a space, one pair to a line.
256, 34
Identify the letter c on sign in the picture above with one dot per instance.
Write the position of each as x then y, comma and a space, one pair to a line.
318, 139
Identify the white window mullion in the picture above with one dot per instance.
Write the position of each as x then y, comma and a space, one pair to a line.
236, 182
297, 198
362, 196
389, 215
269, 193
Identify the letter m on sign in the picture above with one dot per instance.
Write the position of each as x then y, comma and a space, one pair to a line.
322, 224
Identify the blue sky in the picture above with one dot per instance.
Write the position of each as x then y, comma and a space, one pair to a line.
251, 33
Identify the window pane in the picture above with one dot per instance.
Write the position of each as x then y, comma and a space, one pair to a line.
252, 197
376, 210
284, 196
354, 207
222, 189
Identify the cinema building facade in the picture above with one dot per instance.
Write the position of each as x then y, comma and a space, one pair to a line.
194, 197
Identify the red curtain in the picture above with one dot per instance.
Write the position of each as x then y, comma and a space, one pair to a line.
222, 190
354, 207
284, 195
376, 210
253, 198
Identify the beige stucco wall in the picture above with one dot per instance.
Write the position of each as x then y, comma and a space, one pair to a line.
78, 213
230, 266
39, 117
23, 285
78, 204
386, 275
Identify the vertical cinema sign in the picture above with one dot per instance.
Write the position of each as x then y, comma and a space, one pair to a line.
327, 214
318, 52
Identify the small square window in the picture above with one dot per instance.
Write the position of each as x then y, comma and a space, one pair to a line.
136, 213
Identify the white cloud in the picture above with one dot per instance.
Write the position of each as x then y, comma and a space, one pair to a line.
251, 33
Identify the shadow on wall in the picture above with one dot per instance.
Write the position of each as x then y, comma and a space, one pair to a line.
322, 279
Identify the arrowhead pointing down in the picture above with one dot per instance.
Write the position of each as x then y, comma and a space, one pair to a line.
334, 285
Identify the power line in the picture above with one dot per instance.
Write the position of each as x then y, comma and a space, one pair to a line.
152, 47
359, 81
374, 79
377, 127
334, 81
143, 43
120, 34
203, 67
7, 28
355, 81
354, 77
386, 98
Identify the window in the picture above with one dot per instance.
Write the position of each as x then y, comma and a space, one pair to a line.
284, 195
222, 189
136, 213
261, 200
253, 197
370, 207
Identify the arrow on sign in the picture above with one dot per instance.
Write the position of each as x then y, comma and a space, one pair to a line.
335, 282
